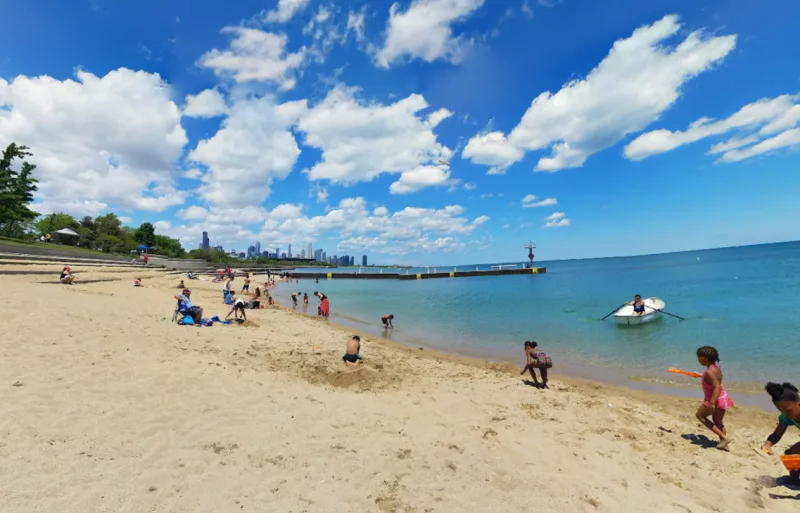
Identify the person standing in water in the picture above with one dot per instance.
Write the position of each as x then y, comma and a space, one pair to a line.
536, 359
387, 321
786, 399
716, 400
305, 298
294, 297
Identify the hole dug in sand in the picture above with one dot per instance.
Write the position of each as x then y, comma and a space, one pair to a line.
361, 378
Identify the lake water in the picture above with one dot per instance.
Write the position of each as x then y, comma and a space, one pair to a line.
740, 300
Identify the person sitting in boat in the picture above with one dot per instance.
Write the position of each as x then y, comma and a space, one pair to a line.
638, 305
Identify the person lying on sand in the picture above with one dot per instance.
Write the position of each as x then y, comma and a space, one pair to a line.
351, 355
185, 306
786, 399
66, 277
387, 321
716, 400
238, 309
537, 359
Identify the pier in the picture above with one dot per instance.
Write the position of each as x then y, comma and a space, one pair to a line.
415, 276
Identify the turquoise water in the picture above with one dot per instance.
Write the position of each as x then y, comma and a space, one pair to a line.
740, 300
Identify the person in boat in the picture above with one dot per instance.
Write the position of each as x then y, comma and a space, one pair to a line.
638, 305
537, 359
786, 399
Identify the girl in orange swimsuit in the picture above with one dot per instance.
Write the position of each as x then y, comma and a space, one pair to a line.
716, 400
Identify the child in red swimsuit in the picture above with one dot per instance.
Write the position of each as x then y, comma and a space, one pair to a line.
716, 400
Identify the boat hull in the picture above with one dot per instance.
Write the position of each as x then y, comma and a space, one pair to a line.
626, 316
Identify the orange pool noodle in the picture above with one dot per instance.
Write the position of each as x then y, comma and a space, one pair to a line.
791, 461
685, 373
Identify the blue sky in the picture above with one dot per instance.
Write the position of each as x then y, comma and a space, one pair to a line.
431, 131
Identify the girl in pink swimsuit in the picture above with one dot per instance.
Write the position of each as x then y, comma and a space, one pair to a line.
716, 400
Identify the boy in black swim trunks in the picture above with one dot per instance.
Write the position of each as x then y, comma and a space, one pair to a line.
387, 321
351, 355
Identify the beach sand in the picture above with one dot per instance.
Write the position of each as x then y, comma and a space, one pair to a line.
107, 406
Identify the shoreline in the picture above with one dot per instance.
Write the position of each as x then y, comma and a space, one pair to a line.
748, 394
111, 407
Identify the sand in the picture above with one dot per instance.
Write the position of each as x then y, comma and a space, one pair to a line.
106, 406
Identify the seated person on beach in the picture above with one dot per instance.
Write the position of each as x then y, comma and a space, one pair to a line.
294, 297
137, 282
186, 308
66, 277
786, 399
255, 300
637, 304
269, 300
537, 359
387, 321
238, 309
181, 285
351, 355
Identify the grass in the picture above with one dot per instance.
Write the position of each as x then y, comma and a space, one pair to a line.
5, 241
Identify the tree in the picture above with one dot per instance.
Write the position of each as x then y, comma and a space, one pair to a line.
169, 247
16, 191
108, 224
58, 221
108, 243
146, 234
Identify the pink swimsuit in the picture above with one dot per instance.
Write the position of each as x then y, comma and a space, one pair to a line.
724, 401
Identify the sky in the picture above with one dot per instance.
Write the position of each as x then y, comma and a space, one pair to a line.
415, 132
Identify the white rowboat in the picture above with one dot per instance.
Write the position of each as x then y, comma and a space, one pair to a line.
626, 315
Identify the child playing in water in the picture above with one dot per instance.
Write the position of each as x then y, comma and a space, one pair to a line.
537, 359
787, 400
716, 400
305, 298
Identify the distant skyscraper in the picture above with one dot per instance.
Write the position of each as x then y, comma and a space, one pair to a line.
302, 253
277, 252
283, 255
251, 251
364, 260
324, 257
289, 252
318, 254
219, 248
206, 243
308, 250
258, 248
352, 260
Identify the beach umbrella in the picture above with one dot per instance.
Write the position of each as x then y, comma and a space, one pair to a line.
142, 246
67, 231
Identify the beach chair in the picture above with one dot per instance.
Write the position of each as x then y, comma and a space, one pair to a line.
176, 315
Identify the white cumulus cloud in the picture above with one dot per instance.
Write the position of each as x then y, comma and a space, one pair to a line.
638, 80
556, 220
285, 10
531, 201
97, 141
360, 141
424, 31
255, 55
206, 104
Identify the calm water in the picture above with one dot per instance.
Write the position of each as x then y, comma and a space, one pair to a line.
740, 300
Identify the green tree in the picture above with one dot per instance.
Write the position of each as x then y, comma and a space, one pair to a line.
108, 224
16, 191
58, 221
146, 235
108, 243
169, 246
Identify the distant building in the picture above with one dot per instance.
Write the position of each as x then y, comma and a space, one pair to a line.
364, 260
289, 252
206, 242
219, 248
324, 257
258, 249
251, 251
277, 252
308, 250
317, 254
352, 260
241, 255
302, 253
283, 255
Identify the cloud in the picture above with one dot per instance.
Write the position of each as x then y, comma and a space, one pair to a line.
255, 55
638, 80
556, 220
206, 104
786, 139
469, 186
193, 212
424, 31
192, 173
285, 11
355, 24
253, 146
97, 141
752, 124
360, 141
530, 201
408, 230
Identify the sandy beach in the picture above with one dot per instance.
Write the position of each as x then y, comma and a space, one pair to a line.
107, 406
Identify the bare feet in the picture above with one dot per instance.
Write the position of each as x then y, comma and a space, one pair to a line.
723, 444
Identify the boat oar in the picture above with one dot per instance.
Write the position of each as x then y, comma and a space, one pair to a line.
612, 311
662, 311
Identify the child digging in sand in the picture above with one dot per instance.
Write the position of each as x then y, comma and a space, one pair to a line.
716, 400
787, 400
351, 355
537, 359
